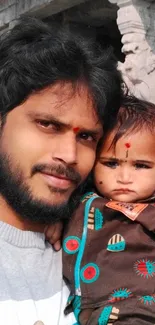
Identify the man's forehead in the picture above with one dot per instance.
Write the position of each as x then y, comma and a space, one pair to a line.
66, 91
54, 101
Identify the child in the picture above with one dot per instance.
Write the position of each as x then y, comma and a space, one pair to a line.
109, 244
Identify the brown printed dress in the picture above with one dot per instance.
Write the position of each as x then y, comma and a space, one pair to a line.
109, 262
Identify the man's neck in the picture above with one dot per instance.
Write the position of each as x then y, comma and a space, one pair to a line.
8, 215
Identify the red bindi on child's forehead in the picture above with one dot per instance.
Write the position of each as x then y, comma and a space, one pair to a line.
128, 145
76, 129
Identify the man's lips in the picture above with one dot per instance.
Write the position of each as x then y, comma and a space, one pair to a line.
58, 176
57, 181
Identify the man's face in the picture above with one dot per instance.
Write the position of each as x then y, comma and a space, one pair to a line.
49, 143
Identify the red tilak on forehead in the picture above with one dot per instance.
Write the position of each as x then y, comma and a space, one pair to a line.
76, 129
128, 145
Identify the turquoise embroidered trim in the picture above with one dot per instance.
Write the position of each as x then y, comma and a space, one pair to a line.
98, 219
104, 316
82, 246
85, 195
76, 306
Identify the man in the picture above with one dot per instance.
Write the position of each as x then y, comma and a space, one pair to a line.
56, 88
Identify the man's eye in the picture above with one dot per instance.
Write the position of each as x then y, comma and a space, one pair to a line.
87, 137
110, 164
48, 125
142, 166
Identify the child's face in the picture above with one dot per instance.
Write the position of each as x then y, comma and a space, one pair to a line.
127, 172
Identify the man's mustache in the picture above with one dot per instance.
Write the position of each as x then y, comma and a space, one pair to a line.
59, 170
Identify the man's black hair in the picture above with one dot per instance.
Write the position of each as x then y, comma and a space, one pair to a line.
34, 56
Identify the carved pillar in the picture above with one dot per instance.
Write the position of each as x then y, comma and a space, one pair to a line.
136, 22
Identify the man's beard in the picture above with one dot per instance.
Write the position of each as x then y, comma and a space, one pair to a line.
19, 197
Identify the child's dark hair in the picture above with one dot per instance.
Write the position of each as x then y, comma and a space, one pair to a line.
134, 115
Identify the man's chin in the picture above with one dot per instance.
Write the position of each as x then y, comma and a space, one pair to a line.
35, 202
53, 201
55, 197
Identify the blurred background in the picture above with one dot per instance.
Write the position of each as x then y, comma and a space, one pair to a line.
128, 25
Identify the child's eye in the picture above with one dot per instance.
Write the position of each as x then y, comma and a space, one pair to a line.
110, 164
141, 166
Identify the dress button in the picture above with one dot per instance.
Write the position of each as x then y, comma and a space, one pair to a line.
39, 322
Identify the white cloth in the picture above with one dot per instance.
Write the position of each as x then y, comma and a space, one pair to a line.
31, 284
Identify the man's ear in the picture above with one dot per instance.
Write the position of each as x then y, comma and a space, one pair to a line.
1, 123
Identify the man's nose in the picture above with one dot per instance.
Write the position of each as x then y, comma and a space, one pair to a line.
66, 149
125, 176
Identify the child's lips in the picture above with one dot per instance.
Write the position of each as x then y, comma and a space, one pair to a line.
123, 190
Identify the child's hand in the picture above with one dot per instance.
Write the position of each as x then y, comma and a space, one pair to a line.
53, 234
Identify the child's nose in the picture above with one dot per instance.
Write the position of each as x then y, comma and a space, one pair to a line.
125, 176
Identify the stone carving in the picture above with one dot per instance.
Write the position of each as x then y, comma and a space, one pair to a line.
136, 22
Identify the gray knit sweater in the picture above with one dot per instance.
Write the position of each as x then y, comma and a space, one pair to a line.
31, 285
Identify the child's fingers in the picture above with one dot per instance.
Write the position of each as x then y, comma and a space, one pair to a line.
57, 232
49, 231
53, 233
57, 245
